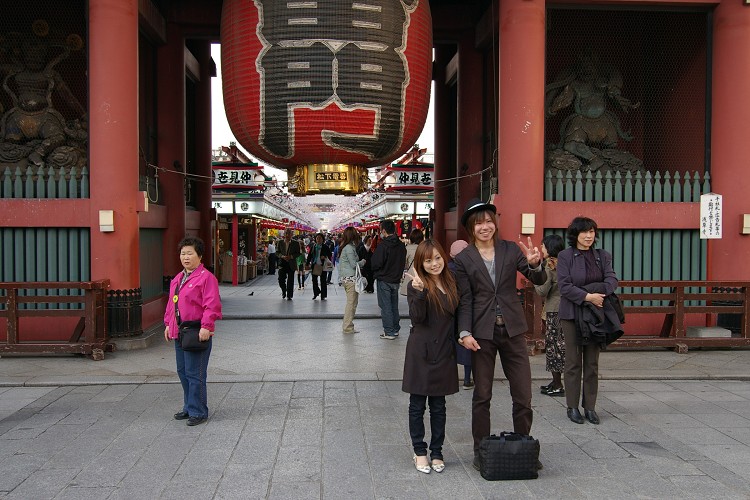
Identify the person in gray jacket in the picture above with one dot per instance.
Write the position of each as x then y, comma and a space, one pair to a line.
388, 269
554, 342
348, 263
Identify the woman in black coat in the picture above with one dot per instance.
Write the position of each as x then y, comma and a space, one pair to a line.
430, 361
365, 251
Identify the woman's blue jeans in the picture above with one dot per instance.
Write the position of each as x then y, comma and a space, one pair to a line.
417, 405
192, 368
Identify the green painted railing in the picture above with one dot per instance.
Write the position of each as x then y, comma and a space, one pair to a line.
45, 254
44, 182
638, 187
653, 255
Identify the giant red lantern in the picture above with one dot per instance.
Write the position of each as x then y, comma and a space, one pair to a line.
326, 82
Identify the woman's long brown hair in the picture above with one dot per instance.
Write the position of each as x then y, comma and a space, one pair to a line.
350, 236
424, 252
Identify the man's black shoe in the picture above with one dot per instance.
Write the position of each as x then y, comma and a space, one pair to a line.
196, 420
475, 463
591, 416
575, 415
182, 415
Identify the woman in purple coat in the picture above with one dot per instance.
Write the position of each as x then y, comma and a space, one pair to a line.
584, 276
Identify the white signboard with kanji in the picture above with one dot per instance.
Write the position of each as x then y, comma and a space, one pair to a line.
237, 178
711, 216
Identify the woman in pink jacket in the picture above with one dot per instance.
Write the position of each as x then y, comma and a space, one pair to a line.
193, 296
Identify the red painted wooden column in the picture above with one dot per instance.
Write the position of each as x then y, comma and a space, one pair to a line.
171, 142
203, 146
521, 122
113, 139
470, 159
730, 111
235, 247
443, 232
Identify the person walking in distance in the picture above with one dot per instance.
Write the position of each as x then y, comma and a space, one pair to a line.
288, 250
347, 274
490, 318
271, 257
388, 269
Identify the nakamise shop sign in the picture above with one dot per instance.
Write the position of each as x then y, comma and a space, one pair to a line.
246, 178
408, 208
419, 177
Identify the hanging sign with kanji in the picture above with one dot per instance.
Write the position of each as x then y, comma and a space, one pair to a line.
247, 178
711, 216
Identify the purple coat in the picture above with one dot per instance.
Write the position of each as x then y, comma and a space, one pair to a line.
198, 300
571, 278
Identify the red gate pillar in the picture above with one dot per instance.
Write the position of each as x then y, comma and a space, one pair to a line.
470, 125
202, 52
113, 139
730, 109
521, 123
171, 144
442, 230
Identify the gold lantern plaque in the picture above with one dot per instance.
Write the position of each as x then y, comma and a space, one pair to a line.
329, 178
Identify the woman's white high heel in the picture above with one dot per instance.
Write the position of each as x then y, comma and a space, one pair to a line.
421, 468
438, 465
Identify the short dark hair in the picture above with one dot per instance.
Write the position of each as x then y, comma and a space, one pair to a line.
416, 236
554, 244
388, 226
191, 241
580, 225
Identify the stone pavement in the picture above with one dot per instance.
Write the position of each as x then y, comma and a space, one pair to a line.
299, 410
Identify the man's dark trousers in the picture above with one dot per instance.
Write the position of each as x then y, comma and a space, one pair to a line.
516, 367
286, 277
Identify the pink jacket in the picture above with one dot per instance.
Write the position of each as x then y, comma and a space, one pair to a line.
198, 300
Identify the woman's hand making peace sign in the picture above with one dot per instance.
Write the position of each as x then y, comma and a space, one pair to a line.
416, 282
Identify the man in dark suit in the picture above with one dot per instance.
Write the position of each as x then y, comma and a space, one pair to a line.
287, 251
490, 318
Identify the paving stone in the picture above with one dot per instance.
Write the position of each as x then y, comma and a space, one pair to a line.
44, 484
306, 431
295, 490
238, 484
704, 487
298, 463
80, 493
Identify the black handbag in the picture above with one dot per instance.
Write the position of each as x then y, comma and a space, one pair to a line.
508, 456
188, 336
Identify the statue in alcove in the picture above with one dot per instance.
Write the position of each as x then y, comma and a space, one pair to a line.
590, 134
33, 131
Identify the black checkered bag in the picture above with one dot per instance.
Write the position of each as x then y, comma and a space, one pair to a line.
508, 456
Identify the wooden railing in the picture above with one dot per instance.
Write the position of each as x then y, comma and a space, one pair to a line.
671, 299
43, 182
90, 333
638, 187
